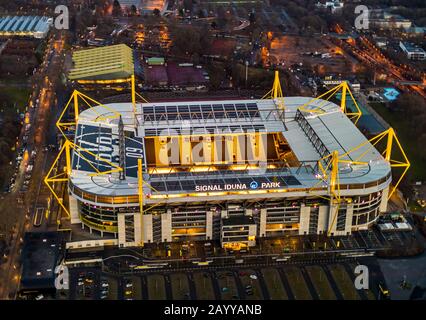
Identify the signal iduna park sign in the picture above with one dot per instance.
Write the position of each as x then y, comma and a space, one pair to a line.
238, 186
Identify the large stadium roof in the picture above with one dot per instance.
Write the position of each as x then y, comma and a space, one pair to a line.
310, 135
104, 63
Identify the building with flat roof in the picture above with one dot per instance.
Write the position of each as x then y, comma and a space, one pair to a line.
155, 61
109, 64
158, 73
413, 52
231, 170
383, 19
333, 5
41, 253
25, 26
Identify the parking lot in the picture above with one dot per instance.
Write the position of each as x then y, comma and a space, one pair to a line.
328, 281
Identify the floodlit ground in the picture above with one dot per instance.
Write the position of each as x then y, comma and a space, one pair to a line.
274, 284
113, 288
203, 286
249, 279
137, 289
344, 282
297, 283
320, 282
180, 286
227, 285
302, 281
156, 287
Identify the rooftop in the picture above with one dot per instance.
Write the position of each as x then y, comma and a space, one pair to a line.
103, 63
173, 74
412, 48
40, 256
36, 26
310, 136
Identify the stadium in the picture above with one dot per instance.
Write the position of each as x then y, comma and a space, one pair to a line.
231, 170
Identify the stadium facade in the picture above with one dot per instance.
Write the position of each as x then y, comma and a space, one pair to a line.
232, 170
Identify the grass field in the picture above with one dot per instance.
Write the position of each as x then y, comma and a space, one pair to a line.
254, 283
297, 284
180, 286
344, 282
227, 282
320, 282
203, 286
156, 287
275, 286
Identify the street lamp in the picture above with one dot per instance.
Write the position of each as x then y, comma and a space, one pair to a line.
247, 63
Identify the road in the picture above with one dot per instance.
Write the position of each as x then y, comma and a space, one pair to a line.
48, 74
365, 51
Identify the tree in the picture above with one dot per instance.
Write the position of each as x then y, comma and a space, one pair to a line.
156, 12
222, 19
116, 9
313, 22
201, 14
84, 19
190, 41
252, 17
188, 5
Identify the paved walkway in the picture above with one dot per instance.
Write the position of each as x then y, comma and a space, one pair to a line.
394, 271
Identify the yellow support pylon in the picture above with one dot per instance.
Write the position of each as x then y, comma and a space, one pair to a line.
330, 172
392, 140
141, 196
133, 93
276, 92
325, 97
61, 177
90, 103
50, 180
